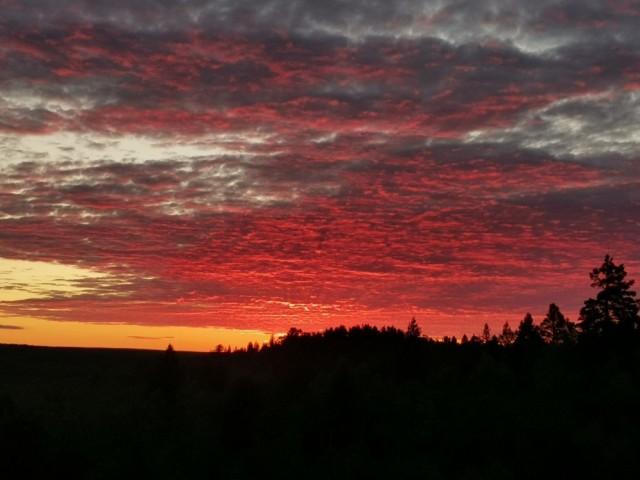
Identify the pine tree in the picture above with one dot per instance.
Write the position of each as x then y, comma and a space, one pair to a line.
413, 329
486, 334
528, 334
614, 310
556, 328
507, 337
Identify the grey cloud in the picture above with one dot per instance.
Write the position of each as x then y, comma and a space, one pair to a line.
467, 20
431, 65
237, 14
585, 126
11, 327
621, 196
17, 120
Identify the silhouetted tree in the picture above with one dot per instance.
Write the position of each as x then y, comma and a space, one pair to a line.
294, 332
528, 334
486, 334
413, 329
556, 328
169, 375
614, 308
507, 337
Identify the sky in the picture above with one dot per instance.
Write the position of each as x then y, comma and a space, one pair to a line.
202, 171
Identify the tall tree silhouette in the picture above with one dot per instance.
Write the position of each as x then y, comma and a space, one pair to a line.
556, 328
614, 310
507, 337
413, 329
486, 333
528, 334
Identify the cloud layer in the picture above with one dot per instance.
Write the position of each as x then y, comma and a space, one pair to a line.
263, 164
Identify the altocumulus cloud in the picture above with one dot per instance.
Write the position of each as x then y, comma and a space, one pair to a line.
257, 164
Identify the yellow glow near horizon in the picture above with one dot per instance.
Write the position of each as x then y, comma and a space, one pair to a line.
28, 280
23, 279
34, 331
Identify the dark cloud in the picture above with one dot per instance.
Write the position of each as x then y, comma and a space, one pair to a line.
11, 327
466, 18
138, 337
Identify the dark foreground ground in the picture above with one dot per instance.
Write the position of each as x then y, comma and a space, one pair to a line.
360, 406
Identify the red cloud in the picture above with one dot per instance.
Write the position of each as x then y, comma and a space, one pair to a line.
353, 191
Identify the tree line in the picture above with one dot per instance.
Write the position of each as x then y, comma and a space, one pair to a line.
611, 317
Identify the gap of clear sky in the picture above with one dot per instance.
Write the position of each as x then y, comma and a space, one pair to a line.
203, 172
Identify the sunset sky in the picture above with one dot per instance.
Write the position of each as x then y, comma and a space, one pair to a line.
241, 167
